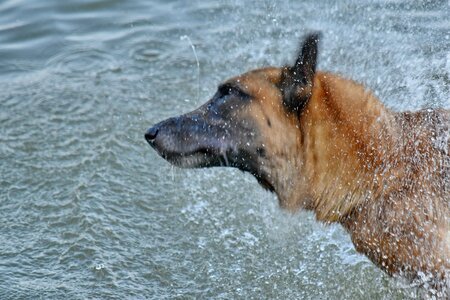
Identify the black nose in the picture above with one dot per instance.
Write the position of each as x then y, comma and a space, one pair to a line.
151, 134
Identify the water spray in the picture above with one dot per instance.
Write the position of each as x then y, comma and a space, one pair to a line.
185, 37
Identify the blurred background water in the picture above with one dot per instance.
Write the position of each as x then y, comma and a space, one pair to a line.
88, 210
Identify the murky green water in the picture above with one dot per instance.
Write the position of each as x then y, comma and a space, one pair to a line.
88, 210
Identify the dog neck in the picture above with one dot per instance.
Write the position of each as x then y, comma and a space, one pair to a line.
346, 135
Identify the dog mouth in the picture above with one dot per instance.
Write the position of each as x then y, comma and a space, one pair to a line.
200, 157
191, 149
188, 144
195, 155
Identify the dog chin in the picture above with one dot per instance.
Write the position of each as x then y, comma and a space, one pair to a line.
198, 159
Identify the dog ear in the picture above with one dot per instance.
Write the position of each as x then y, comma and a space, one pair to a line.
297, 80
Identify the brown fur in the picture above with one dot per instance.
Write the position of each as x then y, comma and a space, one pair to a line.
326, 144
353, 161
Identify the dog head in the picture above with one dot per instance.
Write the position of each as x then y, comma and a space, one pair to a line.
251, 123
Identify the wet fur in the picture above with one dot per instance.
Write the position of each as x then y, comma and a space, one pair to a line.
341, 153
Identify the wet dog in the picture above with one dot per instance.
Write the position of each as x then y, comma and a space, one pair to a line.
324, 143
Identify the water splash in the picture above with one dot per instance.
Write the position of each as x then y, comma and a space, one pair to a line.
185, 37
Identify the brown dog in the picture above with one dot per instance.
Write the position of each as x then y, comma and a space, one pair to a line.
324, 143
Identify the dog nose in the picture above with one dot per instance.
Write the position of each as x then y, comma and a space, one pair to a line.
151, 133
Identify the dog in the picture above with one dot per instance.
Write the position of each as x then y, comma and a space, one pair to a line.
324, 143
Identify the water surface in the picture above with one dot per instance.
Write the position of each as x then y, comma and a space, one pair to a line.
88, 210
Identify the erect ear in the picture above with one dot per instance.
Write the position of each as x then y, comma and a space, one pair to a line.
297, 80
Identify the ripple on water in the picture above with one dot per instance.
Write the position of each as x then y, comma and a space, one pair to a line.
150, 50
82, 60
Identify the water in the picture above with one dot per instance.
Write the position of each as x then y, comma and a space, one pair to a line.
88, 210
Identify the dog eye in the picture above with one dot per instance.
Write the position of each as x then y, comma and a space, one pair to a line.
228, 89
